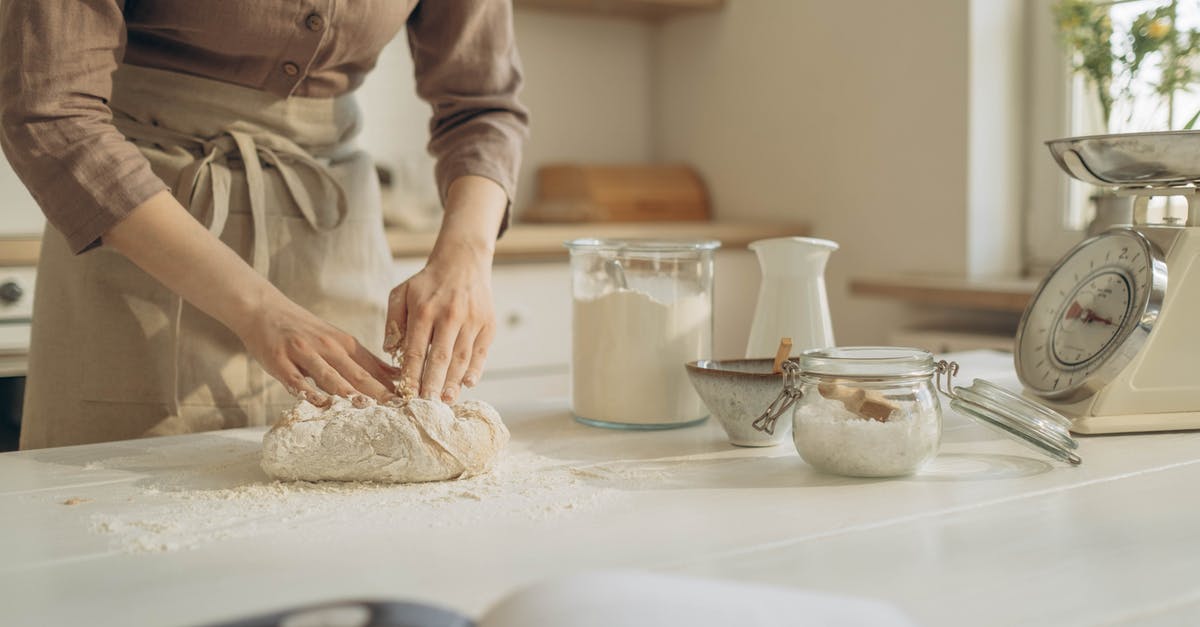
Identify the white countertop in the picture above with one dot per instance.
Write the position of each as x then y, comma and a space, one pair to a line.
987, 534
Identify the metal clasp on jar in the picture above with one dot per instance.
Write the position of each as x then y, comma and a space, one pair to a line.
787, 397
947, 369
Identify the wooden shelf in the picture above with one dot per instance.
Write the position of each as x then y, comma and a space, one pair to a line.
645, 9
1010, 295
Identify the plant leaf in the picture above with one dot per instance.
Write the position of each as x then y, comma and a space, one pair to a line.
1192, 122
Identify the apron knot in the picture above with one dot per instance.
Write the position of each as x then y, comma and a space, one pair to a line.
308, 181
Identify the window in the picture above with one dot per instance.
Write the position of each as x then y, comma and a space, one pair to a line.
1062, 104
1055, 209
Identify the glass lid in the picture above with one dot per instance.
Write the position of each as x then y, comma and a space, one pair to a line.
867, 362
642, 245
1018, 418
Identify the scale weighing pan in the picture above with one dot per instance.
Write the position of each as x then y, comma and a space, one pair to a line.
1159, 159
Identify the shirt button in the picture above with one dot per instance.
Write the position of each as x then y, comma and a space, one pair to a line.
291, 69
314, 22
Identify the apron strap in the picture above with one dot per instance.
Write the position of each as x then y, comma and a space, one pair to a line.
260, 255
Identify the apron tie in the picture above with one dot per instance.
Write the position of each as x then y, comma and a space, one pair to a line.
210, 175
210, 172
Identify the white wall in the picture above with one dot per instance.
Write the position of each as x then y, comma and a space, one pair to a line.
588, 88
19, 214
850, 115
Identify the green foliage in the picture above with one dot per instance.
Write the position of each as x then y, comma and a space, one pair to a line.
1086, 30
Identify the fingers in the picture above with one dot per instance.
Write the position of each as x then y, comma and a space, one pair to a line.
459, 360
397, 320
479, 352
358, 376
327, 377
298, 385
383, 372
437, 363
415, 347
335, 373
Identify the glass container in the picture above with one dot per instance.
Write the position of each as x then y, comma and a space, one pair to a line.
867, 411
642, 309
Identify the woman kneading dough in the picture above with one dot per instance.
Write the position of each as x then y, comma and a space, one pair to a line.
215, 243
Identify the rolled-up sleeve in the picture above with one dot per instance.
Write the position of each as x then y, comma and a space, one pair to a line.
467, 68
56, 63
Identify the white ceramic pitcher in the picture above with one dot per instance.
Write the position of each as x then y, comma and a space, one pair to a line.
791, 298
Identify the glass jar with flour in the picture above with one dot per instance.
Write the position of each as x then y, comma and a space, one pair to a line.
641, 310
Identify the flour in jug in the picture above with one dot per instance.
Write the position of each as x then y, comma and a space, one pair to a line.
629, 352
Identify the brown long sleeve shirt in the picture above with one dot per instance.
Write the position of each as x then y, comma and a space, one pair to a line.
57, 58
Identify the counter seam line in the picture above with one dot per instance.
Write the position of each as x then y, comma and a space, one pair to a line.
779, 544
24, 568
70, 486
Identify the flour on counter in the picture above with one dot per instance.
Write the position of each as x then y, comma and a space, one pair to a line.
629, 352
173, 515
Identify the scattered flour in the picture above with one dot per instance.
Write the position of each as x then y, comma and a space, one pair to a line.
834, 439
173, 515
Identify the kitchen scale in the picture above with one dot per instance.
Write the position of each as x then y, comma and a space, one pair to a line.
1111, 338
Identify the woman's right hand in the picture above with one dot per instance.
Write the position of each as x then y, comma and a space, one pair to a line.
293, 345
288, 341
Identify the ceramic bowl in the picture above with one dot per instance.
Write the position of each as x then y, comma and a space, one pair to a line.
736, 391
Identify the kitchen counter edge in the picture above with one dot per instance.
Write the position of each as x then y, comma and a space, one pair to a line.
524, 240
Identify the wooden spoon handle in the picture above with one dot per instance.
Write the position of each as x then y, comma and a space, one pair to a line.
785, 349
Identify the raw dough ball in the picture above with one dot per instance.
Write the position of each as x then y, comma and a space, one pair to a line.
399, 441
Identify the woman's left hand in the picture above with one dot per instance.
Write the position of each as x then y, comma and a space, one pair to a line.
441, 321
446, 321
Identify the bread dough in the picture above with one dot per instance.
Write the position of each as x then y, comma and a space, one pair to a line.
401, 441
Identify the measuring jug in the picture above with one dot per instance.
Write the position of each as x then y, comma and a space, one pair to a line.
791, 297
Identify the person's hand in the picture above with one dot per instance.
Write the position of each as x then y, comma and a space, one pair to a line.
441, 323
294, 345
162, 238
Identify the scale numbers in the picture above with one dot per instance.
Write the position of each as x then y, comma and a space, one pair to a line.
1084, 312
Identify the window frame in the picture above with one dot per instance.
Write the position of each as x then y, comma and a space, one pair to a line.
1055, 110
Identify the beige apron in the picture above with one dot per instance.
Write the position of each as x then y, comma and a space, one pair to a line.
115, 355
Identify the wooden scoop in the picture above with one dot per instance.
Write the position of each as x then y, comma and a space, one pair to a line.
781, 355
869, 405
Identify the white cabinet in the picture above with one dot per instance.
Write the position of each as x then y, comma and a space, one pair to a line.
533, 316
531, 354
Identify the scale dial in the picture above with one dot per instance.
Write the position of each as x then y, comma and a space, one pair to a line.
1091, 315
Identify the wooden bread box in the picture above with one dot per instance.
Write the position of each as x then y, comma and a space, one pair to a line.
618, 193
